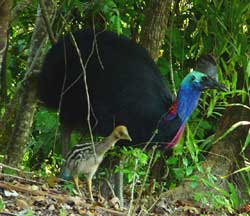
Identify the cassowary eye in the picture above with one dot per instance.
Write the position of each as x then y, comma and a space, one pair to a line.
192, 78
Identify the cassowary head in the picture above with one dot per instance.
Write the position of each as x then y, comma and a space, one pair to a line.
198, 81
188, 96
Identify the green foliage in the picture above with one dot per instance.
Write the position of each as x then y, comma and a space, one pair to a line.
51, 166
68, 186
216, 197
134, 162
63, 212
29, 213
44, 138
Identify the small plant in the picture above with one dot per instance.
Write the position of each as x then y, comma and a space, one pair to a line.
62, 212
220, 198
128, 166
51, 166
28, 213
2, 206
68, 186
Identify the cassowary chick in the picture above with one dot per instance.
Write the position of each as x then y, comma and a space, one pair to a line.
81, 159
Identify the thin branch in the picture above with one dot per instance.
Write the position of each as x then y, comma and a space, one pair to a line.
47, 22
20, 178
86, 90
15, 169
7, 213
171, 57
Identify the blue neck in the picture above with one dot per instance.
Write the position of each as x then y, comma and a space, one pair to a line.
187, 101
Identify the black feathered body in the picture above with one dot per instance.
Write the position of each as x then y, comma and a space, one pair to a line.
127, 90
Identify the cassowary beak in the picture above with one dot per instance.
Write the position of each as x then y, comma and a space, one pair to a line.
210, 83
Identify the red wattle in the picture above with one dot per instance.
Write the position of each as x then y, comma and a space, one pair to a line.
176, 138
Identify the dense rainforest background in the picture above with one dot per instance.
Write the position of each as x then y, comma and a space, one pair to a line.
208, 171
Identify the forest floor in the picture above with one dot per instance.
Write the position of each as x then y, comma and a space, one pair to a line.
20, 196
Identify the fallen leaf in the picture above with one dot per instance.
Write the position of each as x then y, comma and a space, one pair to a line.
22, 204
51, 207
52, 180
114, 202
11, 193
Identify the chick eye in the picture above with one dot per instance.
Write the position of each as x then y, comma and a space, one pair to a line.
204, 78
192, 78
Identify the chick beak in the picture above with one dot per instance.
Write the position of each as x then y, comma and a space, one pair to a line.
210, 83
129, 138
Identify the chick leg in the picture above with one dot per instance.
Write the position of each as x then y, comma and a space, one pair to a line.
89, 182
76, 181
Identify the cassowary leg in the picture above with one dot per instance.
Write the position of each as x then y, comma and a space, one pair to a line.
65, 139
118, 187
158, 171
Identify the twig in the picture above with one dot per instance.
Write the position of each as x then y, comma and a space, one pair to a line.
47, 22
155, 202
7, 213
86, 90
113, 212
15, 169
21, 188
95, 42
171, 58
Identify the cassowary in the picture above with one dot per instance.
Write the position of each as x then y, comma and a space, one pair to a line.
125, 87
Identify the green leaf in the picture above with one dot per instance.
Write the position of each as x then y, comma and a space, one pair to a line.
189, 170
185, 161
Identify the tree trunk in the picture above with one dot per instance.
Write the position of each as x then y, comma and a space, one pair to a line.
3, 80
154, 27
5, 11
27, 102
223, 159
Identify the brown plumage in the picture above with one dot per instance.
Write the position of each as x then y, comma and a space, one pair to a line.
81, 159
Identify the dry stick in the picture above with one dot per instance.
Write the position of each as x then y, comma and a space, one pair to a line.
84, 74
155, 202
20, 178
87, 91
7, 213
46, 22
15, 169
95, 42
171, 58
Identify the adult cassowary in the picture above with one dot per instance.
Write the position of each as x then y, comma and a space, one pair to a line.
124, 85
